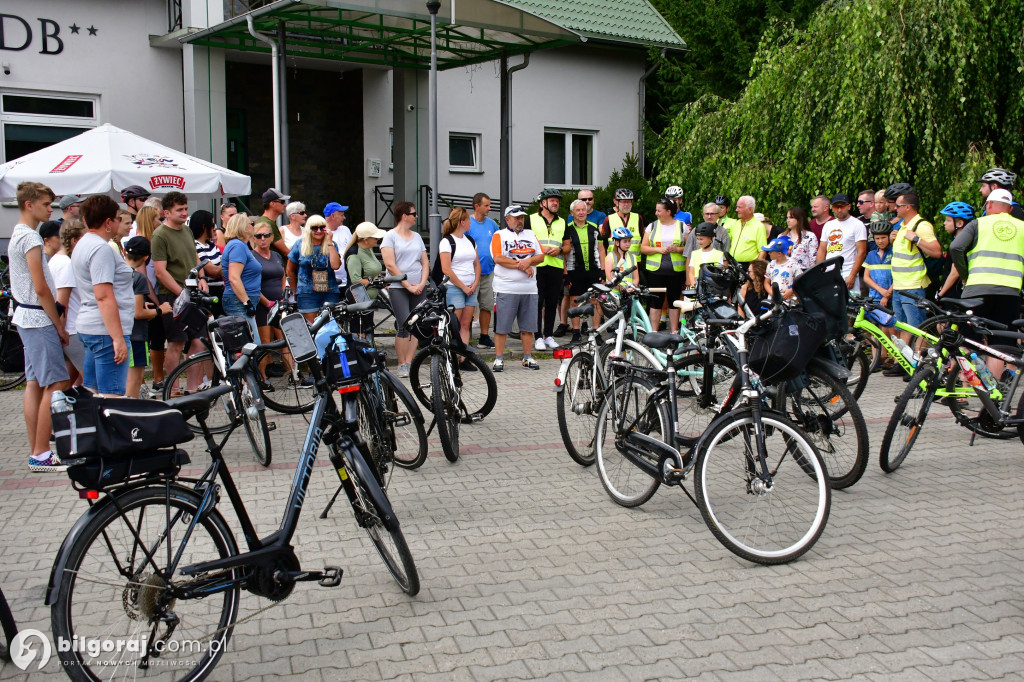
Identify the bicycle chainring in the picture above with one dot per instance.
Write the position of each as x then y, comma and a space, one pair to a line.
263, 583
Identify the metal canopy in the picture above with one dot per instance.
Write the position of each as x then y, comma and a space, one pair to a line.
391, 33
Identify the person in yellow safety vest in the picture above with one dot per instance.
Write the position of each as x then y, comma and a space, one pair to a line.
748, 234
724, 220
583, 263
623, 216
663, 244
704, 254
989, 255
914, 240
550, 232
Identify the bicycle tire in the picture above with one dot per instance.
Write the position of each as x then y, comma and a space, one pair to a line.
408, 434
254, 418
289, 394
444, 401
970, 410
389, 543
94, 599
381, 456
859, 359
9, 345
829, 414
577, 405
790, 514
907, 419
222, 410
623, 480
8, 628
697, 402
479, 387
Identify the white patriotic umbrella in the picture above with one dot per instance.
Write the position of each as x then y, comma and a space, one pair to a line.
107, 159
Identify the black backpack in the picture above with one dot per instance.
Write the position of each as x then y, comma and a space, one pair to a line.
436, 275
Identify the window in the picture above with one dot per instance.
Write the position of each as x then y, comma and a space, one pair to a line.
31, 121
568, 158
463, 153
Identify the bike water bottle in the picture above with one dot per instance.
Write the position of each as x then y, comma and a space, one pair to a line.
906, 351
967, 372
984, 373
59, 403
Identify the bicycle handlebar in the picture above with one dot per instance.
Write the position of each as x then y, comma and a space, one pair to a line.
587, 295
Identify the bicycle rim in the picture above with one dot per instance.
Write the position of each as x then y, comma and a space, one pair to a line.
445, 405
221, 415
371, 428
478, 389
288, 394
97, 601
577, 406
770, 523
698, 401
624, 482
15, 377
255, 419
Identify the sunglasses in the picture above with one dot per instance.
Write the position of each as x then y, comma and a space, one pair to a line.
262, 235
319, 228
299, 213
865, 201
412, 213
587, 199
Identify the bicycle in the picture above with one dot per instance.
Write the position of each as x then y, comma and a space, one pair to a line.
153, 561
8, 628
12, 351
940, 376
286, 390
244, 404
461, 388
754, 502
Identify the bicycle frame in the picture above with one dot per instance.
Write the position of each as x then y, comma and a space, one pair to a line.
861, 322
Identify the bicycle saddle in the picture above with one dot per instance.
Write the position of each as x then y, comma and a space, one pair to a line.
662, 340
961, 304
196, 403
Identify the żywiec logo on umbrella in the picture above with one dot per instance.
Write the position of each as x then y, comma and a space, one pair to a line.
167, 182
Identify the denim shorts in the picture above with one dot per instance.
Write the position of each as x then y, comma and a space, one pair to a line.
101, 373
312, 301
457, 297
906, 309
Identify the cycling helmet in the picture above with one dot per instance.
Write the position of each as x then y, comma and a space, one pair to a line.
705, 230
998, 176
624, 194
894, 191
960, 209
548, 193
674, 192
722, 200
134, 192
622, 233
880, 227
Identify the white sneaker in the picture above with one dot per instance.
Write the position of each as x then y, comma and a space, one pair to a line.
540, 344
403, 371
551, 343
499, 365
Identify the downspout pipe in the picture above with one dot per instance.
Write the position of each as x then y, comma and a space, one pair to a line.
275, 95
506, 128
434, 219
643, 108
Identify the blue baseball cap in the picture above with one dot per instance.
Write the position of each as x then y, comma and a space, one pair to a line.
333, 207
782, 243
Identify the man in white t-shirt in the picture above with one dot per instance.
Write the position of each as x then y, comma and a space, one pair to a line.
334, 214
516, 253
844, 236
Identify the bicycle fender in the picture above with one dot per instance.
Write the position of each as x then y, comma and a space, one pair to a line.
406, 394
830, 367
562, 370
380, 499
733, 415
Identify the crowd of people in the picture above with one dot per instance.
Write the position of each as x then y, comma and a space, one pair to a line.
94, 289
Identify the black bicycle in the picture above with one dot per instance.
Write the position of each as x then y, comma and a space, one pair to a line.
12, 352
8, 628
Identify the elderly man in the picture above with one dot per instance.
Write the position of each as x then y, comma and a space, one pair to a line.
334, 214
593, 215
748, 235
584, 264
273, 206
819, 215
721, 240
517, 254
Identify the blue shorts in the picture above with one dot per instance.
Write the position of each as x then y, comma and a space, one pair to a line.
139, 353
312, 302
906, 309
457, 297
44, 356
101, 373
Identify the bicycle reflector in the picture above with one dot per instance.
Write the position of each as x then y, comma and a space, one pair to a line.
348, 389
562, 353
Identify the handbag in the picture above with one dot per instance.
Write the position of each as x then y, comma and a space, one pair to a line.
320, 274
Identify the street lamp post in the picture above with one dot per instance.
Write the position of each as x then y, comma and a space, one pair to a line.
434, 219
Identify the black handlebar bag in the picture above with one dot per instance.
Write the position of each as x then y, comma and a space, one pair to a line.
785, 344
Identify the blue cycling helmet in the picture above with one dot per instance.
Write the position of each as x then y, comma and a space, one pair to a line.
959, 209
622, 233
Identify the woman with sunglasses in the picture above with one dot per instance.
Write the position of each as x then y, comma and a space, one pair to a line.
295, 214
271, 282
243, 273
311, 264
403, 252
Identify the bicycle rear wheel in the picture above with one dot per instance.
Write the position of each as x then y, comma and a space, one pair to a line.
479, 387
445, 405
767, 516
255, 418
623, 480
371, 428
907, 419
859, 357
577, 405
200, 365
704, 389
287, 393
407, 433
109, 590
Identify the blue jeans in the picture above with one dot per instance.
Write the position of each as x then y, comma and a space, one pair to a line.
906, 308
232, 306
101, 373
456, 297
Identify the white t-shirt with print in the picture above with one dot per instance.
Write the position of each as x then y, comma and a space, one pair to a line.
518, 246
841, 237
463, 259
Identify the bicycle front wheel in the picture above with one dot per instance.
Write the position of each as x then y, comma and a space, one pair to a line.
111, 591
577, 405
479, 387
198, 371
445, 404
907, 419
629, 409
407, 433
766, 515
255, 419
285, 389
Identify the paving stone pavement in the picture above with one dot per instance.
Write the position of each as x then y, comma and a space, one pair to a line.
529, 571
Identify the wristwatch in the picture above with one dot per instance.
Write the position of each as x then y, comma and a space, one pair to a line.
916, 239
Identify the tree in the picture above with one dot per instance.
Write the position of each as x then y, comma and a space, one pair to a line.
870, 93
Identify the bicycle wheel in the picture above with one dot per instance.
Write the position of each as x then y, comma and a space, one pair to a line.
390, 544
283, 386
110, 591
200, 365
479, 387
408, 435
577, 406
907, 419
969, 411
255, 418
766, 516
12, 358
8, 628
704, 389
623, 480
858, 357
633, 352
371, 429
828, 413
445, 405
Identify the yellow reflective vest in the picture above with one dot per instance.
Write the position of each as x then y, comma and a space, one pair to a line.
997, 259
654, 259
633, 223
908, 268
548, 236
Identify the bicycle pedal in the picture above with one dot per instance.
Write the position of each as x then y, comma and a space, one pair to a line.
475, 417
331, 576
271, 426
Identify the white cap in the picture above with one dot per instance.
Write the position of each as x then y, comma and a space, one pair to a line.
1003, 196
366, 230
514, 210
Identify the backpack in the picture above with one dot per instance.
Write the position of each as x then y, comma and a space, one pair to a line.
436, 275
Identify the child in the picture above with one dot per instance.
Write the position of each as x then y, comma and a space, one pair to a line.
620, 258
781, 270
753, 292
878, 274
703, 254
136, 254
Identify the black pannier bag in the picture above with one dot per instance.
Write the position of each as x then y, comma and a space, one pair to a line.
782, 347
347, 360
235, 332
822, 289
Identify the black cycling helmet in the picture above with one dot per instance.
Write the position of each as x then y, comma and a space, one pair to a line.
705, 230
722, 200
880, 227
548, 193
134, 192
999, 176
893, 192
624, 194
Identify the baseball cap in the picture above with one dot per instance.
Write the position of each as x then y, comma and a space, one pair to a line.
1003, 196
365, 230
333, 207
840, 198
51, 228
68, 199
137, 246
781, 243
134, 192
514, 210
273, 195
